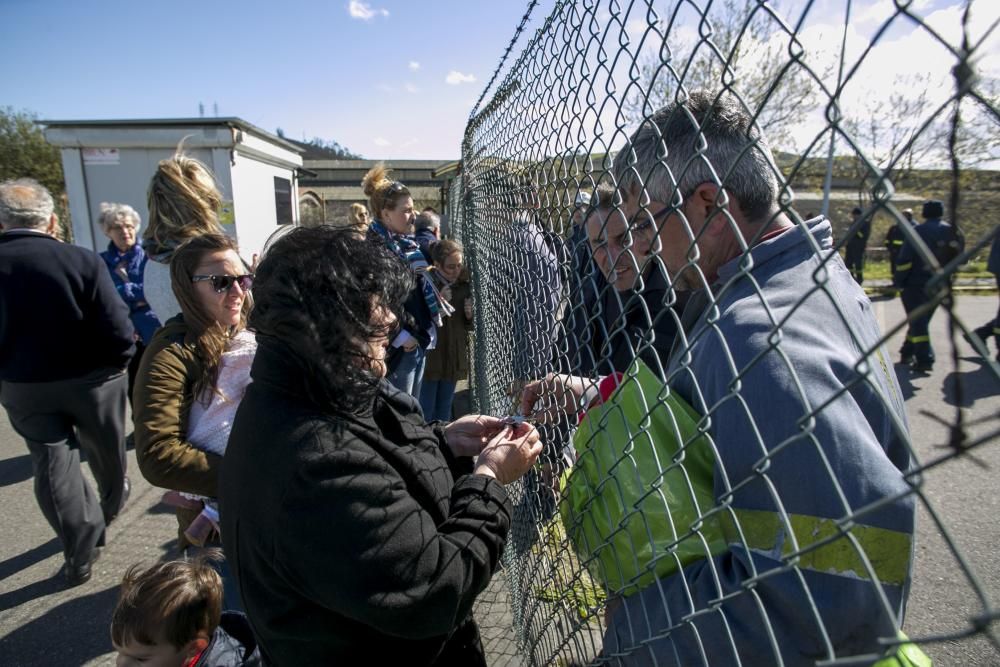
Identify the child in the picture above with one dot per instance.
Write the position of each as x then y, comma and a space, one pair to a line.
171, 616
448, 362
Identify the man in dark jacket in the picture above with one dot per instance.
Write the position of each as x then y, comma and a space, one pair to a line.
912, 275
895, 237
65, 339
635, 314
427, 232
992, 328
857, 241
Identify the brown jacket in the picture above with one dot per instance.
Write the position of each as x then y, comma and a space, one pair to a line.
449, 360
164, 391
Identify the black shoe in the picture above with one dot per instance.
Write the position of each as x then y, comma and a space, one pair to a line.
923, 366
907, 359
80, 574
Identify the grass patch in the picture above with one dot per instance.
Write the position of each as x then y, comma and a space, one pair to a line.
569, 582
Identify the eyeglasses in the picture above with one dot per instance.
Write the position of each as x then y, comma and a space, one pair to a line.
224, 283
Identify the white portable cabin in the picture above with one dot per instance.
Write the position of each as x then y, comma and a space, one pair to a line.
114, 160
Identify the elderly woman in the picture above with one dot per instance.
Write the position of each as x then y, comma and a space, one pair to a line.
126, 262
184, 202
358, 533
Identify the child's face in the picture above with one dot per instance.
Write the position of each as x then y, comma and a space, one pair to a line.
161, 654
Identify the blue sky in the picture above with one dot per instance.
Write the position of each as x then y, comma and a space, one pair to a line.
378, 85
386, 78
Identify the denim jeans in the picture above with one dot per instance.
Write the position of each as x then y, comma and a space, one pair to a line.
409, 371
435, 399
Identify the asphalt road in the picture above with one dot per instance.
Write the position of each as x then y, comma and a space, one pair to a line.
41, 623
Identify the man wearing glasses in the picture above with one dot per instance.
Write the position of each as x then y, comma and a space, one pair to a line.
782, 358
65, 340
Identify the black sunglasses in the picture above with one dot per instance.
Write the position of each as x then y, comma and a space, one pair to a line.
224, 283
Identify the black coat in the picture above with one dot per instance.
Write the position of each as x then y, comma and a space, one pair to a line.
350, 537
60, 316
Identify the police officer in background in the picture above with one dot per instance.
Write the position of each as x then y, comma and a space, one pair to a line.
895, 237
912, 273
857, 241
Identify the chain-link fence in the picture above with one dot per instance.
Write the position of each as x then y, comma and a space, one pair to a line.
740, 466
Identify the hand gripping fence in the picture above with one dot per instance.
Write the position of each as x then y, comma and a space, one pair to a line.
748, 460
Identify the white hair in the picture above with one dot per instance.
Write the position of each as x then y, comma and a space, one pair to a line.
25, 203
114, 215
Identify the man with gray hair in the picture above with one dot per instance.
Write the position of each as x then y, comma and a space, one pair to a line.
427, 231
65, 340
807, 550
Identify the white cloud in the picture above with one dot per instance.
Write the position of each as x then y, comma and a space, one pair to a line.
409, 142
364, 11
414, 65
455, 78
384, 88
382, 142
410, 88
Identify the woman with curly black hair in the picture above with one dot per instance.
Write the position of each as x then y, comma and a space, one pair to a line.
359, 533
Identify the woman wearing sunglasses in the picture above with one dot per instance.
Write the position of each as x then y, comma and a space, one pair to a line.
193, 377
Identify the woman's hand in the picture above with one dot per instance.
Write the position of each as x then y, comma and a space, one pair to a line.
556, 394
510, 454
410, 345
468, 308
466, 436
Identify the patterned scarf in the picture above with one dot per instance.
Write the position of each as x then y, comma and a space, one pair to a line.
407, 250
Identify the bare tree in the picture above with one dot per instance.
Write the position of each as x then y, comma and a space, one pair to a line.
905, 131
742, 50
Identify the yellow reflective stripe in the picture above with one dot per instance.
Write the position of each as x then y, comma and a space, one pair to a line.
888, 551
897, 242
918, 339
904, 267
996, 331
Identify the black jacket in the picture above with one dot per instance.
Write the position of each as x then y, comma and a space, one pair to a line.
60, 316
607, 332
943, 240
232, 645
350, 538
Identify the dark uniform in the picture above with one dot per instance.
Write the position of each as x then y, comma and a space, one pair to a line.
992, 328
912, 274
857, 241
894, 240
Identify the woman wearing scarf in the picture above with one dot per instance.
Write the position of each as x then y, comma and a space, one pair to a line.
392, 206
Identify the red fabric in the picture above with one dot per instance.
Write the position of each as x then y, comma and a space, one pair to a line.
193, 660
606, 387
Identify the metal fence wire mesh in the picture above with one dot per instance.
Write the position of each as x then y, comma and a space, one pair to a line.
655, 198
